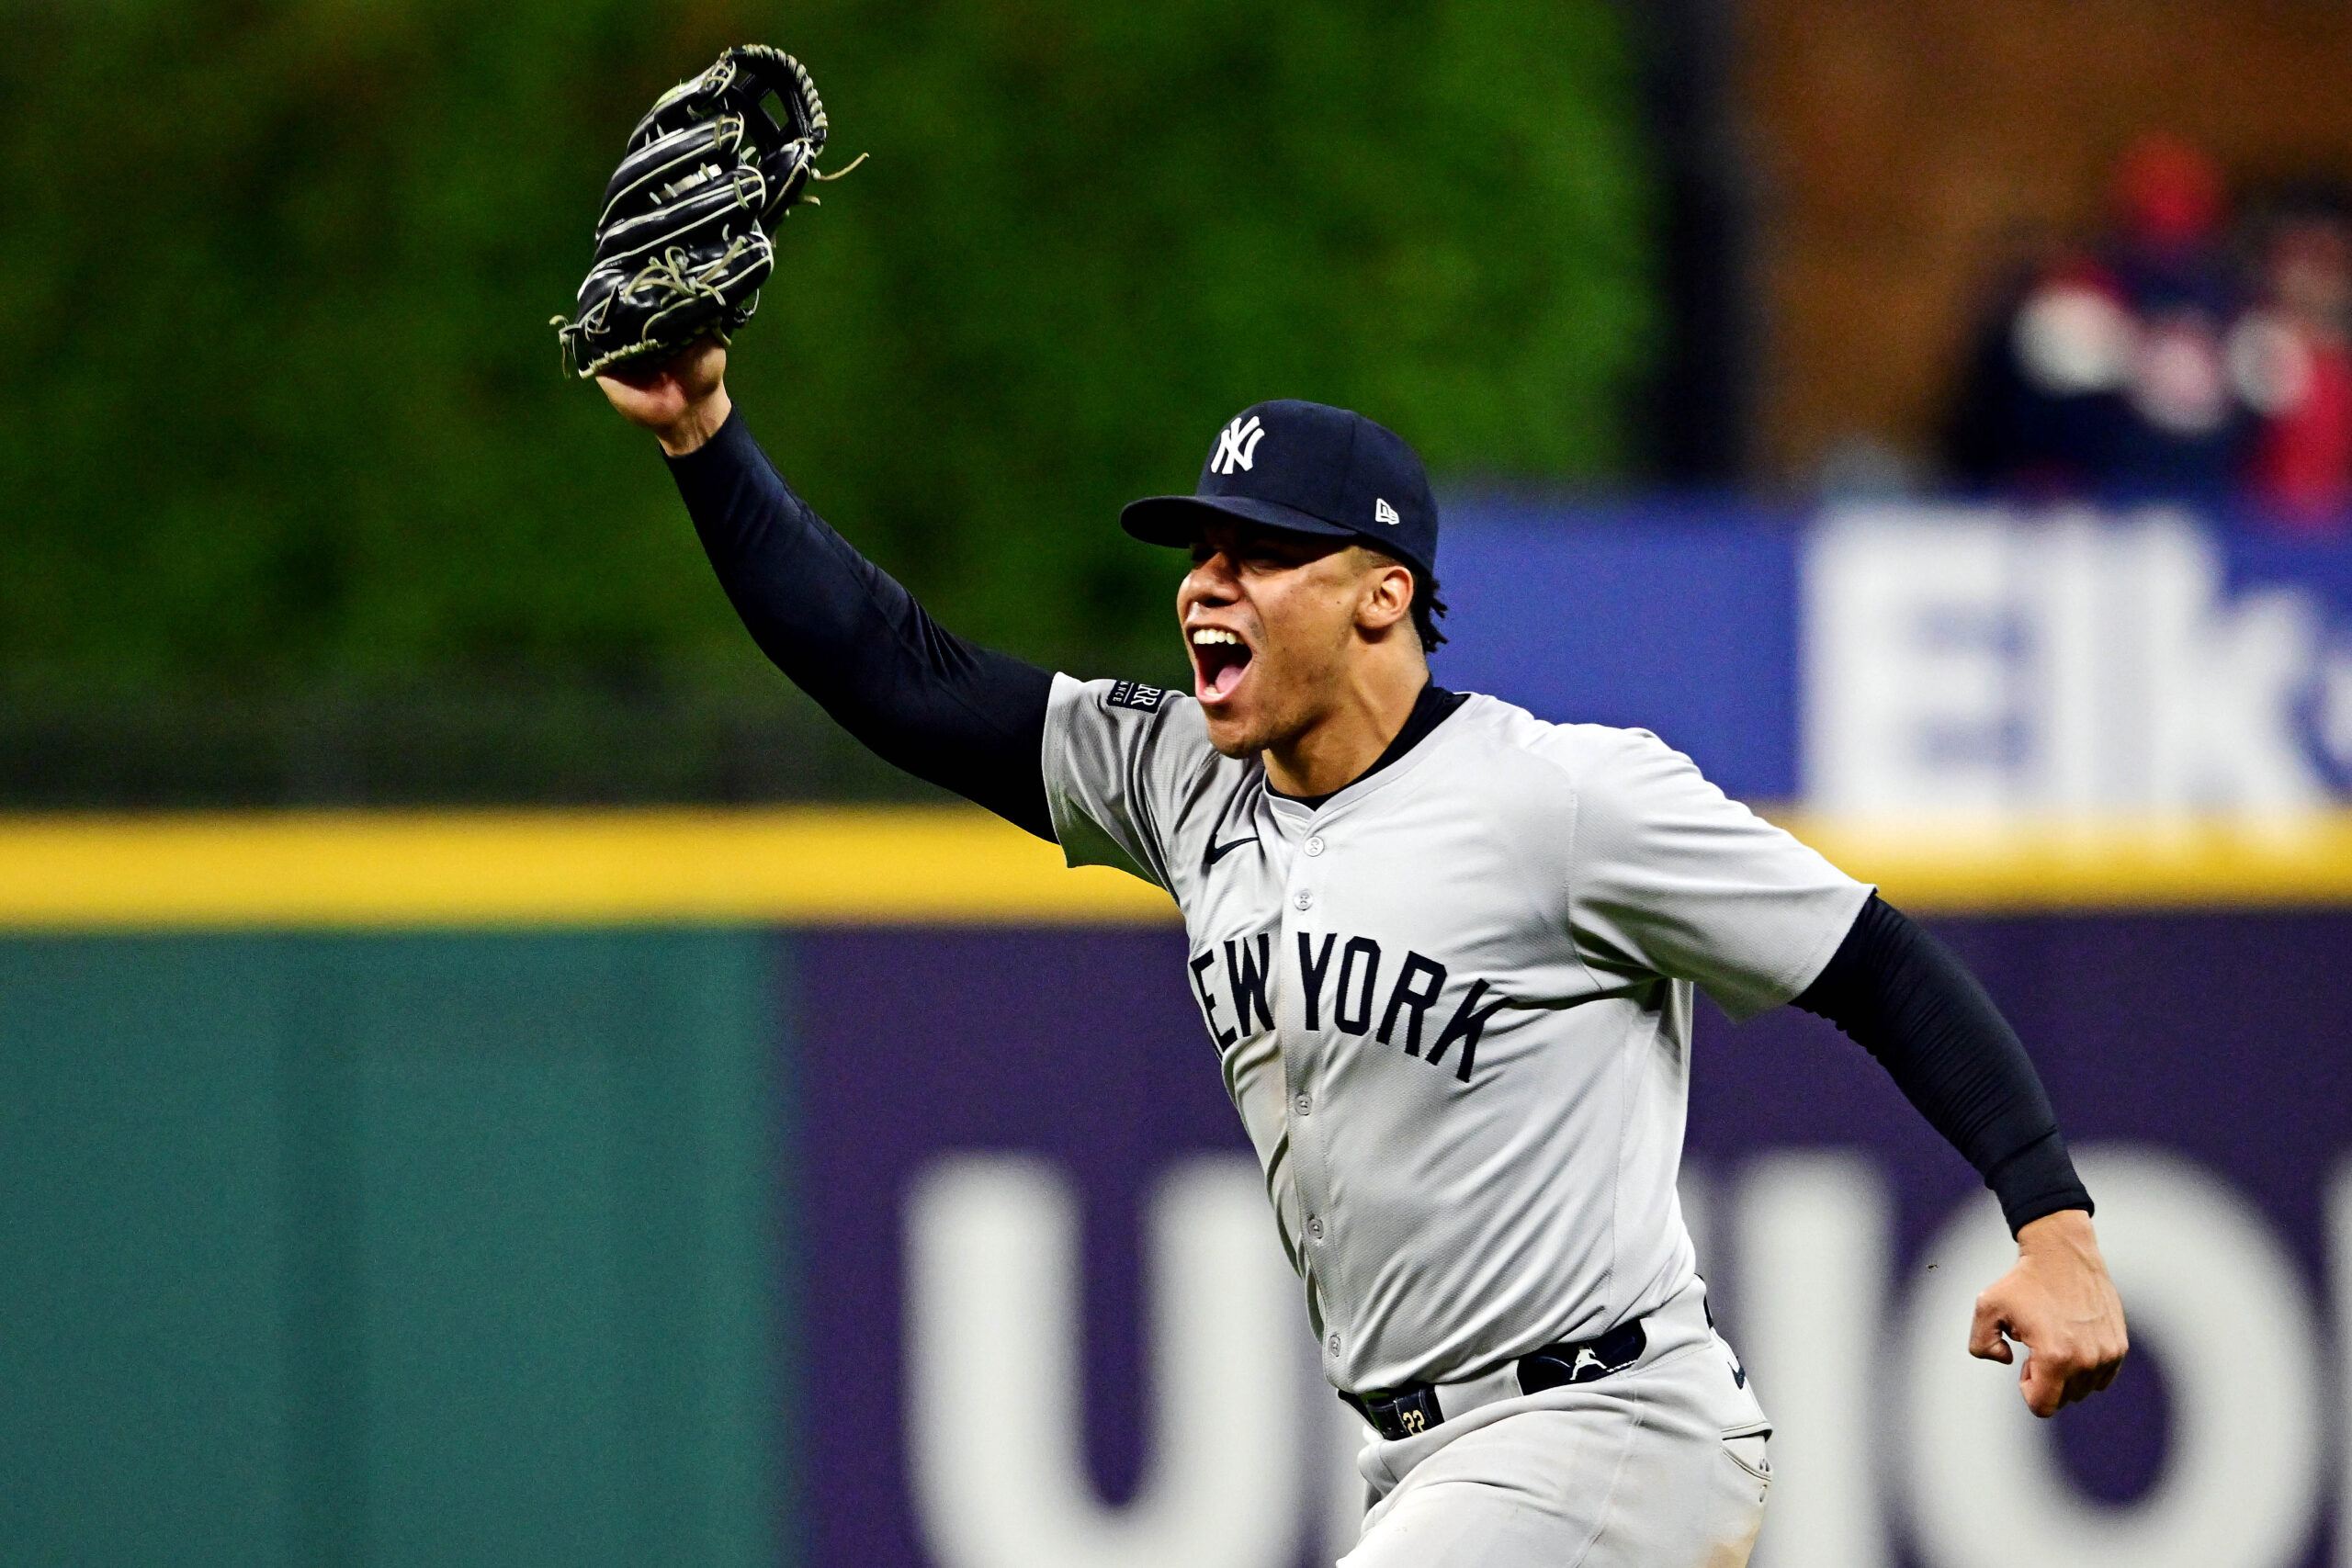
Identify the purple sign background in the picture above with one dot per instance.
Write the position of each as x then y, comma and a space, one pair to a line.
1081, 1047
2219, 1037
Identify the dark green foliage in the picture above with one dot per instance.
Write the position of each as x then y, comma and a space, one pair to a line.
283, 407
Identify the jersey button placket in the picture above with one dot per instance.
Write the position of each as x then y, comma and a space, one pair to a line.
1307, 1102
1304, 1105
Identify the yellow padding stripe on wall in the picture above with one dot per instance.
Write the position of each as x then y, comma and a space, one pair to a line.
1979, 866
957, 865
359, 870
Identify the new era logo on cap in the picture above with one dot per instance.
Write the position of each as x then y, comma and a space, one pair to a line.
1237, 445
1383, 513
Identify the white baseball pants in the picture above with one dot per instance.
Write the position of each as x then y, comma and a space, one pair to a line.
1662, 1465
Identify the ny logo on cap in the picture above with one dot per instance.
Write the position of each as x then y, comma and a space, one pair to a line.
1383, 513
1237, 445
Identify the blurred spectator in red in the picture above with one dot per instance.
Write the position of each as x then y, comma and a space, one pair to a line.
2292, 359
2106, 373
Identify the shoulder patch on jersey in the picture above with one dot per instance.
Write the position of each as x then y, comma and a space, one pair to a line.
1130, 694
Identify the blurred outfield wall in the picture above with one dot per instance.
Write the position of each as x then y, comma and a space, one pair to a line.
856, 1189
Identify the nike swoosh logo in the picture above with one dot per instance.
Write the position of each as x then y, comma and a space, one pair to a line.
1218, 852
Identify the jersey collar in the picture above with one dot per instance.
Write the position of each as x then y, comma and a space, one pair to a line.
1432, 707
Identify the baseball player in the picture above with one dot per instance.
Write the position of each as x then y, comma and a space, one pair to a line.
1447, 953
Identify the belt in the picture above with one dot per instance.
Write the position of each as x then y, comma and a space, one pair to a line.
1401, 1412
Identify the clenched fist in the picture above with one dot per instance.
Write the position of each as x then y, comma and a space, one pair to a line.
2059, 1303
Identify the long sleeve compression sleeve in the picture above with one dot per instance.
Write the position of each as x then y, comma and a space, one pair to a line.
1902, 996
963, 717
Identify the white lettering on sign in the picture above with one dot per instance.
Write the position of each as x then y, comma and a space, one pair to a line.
1889, 1438
1813, 1232
2209, 1287
996, 1440
1968, 660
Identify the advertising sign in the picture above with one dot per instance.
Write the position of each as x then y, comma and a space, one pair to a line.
1905, 658
1048, 1325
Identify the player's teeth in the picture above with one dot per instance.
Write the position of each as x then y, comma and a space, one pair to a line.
1207, 635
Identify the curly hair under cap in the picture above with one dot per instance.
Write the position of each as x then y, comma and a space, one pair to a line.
1428, 608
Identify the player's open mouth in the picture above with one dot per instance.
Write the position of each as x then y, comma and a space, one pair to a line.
1219, 657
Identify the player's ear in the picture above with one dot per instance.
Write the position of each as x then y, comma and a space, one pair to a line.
1387, 594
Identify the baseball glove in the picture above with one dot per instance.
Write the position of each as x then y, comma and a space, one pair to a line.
683, 243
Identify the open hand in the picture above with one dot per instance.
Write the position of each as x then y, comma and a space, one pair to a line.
2059, 1303
683, 400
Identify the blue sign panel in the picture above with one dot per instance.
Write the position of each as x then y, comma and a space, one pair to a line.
1681, 622
1908, 658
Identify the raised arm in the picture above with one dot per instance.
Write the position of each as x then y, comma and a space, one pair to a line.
963, 717
1903, 998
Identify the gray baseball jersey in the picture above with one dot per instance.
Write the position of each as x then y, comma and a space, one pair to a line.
1452, 1004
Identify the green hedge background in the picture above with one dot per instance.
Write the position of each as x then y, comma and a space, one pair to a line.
285, 414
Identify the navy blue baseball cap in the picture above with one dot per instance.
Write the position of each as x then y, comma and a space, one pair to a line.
1305, 468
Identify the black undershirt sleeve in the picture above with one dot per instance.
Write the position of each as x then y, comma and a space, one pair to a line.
963, 717
1902, 996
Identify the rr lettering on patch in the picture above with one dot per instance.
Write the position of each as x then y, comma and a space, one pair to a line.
1142, 699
